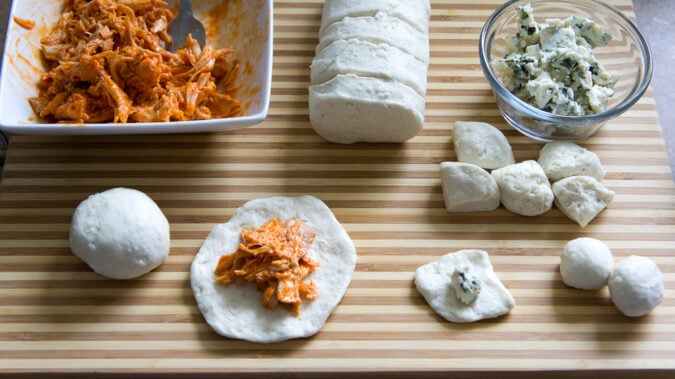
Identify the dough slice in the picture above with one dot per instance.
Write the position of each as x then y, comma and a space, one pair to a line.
481, 144
524, 188
235, 311
581, 198
561, 159
378, 29
414, 12
351, 108
363, 58
434, 283
468, 188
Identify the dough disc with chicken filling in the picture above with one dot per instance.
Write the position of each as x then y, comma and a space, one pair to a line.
235, 310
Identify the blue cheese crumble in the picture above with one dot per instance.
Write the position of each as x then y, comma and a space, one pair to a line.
552, 66
466, 284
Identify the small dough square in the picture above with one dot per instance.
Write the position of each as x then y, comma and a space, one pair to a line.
481, 144
524, 187
561, 159
581, 198
468, 188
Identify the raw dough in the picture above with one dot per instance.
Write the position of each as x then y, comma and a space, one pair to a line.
364, 58
350, 108
378, 29
120, 233
235, 311
581, 198
434, 283
481, 144
414, 12
586, 263
468, 188
524, 188
370, 87
561, 159
636, 286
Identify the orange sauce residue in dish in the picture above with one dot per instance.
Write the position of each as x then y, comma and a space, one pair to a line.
24, 23
273, 257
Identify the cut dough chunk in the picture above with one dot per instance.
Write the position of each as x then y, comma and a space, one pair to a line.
481, 144
636, 286
586, 263
363, 58
120, 233
485, 297
561, 159
524, 188
581, 198
468, 188
378, 29
414, 12
236, 311
351, 108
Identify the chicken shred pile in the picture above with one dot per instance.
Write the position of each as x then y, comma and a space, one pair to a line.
274, 257
107, 62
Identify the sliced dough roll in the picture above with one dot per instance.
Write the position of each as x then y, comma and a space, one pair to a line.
236, 311
379, 29
363, 58
414, 12
351, 108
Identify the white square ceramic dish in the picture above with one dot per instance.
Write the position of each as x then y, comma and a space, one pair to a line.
245, 25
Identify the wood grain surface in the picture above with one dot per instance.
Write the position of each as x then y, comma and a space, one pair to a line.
58, 317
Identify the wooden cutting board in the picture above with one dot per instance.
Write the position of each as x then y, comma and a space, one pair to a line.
56, 316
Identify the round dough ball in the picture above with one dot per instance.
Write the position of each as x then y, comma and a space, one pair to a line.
636, 286
120, 233
586, 263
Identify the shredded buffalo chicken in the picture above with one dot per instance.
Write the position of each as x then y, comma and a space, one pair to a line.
275, 258
107, 62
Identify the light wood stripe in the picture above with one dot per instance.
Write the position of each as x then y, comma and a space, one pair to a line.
57, 316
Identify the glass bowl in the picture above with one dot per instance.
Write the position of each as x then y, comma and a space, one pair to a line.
626, 55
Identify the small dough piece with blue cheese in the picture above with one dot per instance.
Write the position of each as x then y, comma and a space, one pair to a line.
468, 188
481, 144
552, 65
561, 159
581, 198
480, 295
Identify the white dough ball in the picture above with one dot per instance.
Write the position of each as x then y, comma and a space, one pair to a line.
636, 286
120, 233
586, 263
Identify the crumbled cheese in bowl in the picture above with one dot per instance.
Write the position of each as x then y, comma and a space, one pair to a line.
552, 66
